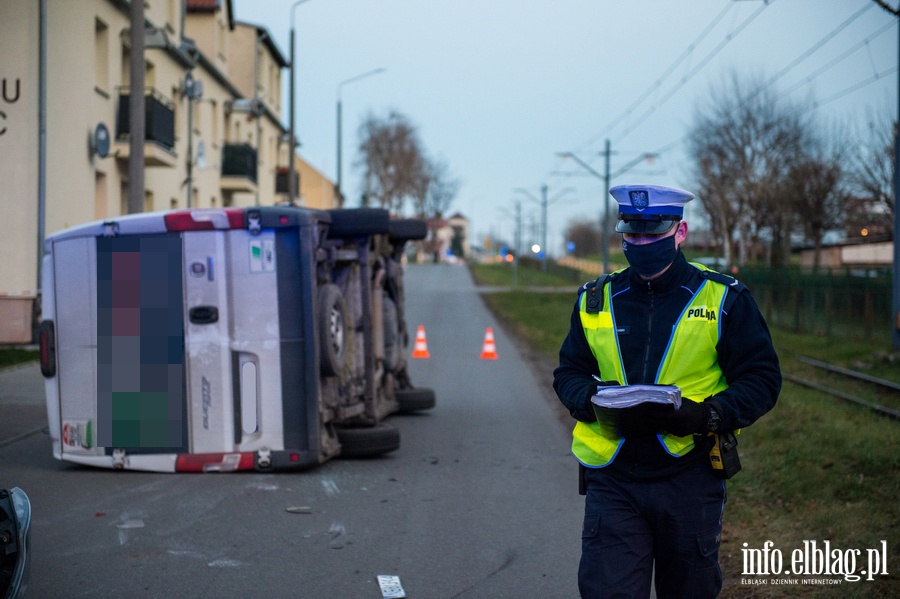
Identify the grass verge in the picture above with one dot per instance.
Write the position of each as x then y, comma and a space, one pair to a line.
814, 469
11, 357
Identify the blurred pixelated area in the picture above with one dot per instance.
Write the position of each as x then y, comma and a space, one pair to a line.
140, 342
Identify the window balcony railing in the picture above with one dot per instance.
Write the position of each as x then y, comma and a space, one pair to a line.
239, 160
282, 176
159, 118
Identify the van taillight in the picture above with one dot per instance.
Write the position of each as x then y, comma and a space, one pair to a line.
214, 462
204, 220
47, 340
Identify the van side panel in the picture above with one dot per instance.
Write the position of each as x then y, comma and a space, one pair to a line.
295, 299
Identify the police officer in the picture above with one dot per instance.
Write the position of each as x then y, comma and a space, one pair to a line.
653, 500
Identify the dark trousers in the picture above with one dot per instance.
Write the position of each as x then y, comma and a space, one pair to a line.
628, 525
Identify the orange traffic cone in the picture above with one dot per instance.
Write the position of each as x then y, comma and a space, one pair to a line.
420, 350
489, 350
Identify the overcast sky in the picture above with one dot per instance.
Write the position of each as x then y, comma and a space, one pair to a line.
496, 88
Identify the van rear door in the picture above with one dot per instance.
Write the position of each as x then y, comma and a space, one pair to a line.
120, 341
208, 357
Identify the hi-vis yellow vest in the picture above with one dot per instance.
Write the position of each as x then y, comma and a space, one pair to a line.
689, 362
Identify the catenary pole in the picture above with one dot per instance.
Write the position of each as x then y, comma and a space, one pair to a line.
896, 333
606, 176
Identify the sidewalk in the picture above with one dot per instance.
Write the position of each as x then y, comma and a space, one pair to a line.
22, 406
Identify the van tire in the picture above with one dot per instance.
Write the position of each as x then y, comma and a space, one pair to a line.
367, 442
333, 338
353, 222
408, 229
414, 400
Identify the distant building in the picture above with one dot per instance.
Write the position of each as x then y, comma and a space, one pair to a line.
448, 239
852, 253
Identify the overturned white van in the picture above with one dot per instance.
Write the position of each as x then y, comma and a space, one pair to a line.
216, 340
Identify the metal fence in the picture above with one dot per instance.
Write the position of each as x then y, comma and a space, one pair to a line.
849, 303
840, 303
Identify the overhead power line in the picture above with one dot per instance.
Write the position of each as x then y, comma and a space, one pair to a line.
656, 84
812, 76
813, 49
856, 86
684, 80
887, 7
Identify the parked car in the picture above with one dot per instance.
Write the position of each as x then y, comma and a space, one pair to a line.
215, 340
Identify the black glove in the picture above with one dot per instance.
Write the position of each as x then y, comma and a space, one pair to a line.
691, 418
602, 415
641, 420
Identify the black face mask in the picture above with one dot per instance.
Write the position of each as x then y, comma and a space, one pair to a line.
651, 258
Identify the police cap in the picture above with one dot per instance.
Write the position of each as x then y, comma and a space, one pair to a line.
649, 209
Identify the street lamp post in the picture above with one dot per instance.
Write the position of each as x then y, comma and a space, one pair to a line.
606, 176
340, 193
292, 169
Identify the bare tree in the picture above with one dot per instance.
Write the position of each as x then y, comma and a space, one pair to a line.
818, 183
744, 144
585, 234
872, 164
441, 190
392, 160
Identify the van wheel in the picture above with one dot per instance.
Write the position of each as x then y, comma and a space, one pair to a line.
407, 229
332, 329
353, 222
413, 400
368, 442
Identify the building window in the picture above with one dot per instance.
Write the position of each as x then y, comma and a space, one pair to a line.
171, 15
99, 195
214, 115
126, 67
195, 115
149, 75
123, 198
101, 56
221, 39
148, 200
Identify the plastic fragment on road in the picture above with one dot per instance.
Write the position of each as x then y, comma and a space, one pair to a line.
299, 509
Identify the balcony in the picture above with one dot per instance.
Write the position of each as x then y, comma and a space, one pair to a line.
282, 176
239, 166
159, 128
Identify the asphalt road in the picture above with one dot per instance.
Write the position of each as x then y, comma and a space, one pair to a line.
480, 501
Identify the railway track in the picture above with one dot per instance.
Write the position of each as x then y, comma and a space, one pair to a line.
883, 385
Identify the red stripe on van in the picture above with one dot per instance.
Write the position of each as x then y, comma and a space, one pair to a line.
214, 462
204, 220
